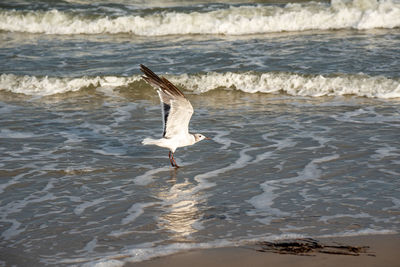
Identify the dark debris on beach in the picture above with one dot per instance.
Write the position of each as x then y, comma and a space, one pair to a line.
310, 247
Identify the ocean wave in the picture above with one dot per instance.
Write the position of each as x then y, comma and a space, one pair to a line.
295, 84
232, 20
249, 82
44, 86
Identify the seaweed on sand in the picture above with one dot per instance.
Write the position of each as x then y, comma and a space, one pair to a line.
309, 247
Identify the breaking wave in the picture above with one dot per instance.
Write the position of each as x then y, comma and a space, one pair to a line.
248, 82
232, 20
44, 86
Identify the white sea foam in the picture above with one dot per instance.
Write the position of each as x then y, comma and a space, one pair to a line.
148, 251
107, 263
263, 203
279, 144
295, 84
249, 82
43, 86
91, 245
242, 161
362, 232
13, 230
327, 218
135, 211
88, 204
148, 176
385, 152
13, 207
219, 137
6, 133
396, 203
366, 115
234, 20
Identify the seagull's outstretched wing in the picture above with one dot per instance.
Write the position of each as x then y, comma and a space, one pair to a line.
176, 109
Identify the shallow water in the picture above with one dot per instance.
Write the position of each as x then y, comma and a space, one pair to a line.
305, 128
79, 186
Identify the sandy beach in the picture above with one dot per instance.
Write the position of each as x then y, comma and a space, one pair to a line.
383, 251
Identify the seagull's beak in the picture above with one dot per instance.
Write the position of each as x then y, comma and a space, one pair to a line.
207, 138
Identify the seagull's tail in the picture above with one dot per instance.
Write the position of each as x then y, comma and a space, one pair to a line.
149, 141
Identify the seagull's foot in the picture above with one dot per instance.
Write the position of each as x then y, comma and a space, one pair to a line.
174, 165
172, 160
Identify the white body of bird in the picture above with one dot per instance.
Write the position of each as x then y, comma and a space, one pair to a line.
171, 143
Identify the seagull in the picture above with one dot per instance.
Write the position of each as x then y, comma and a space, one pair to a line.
176, 113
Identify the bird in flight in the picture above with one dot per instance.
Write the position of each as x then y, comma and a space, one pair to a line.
176, 113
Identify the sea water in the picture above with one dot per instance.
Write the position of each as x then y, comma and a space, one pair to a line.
301, 100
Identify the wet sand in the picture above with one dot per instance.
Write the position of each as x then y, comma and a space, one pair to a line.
383, 251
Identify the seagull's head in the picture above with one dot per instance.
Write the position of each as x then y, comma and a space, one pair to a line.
199, 137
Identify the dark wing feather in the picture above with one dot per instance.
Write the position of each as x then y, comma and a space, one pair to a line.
162, 83
176, 109
165, 112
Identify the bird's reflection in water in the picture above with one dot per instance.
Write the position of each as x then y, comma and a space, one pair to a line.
180, 210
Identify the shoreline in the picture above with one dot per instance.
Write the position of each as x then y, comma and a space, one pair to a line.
381, 250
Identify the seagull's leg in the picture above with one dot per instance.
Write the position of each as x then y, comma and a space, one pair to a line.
170, 159
176, 165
